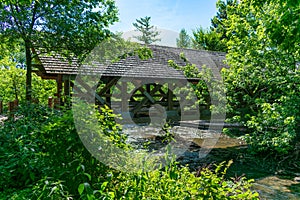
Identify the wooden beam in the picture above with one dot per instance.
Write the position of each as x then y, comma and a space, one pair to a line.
67, 94
59, 86
50, 102
170, 96
11, 109
108, 96
67, 88
124, 95
146, 99
108, 85
39, 66
45, 75
148, 88
143, 91
80, 93
90, 91
163, 95
164, 104
154, 95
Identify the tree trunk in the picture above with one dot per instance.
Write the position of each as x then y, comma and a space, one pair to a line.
28, 71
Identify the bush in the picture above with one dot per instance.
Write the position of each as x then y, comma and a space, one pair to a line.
43, 158
274, 129
174, 182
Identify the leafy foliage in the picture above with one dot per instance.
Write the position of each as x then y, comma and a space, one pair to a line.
208, 89
74, 27
200, 89
263, 79
208, 40
218, 24
175, 182
13, 81
42, 150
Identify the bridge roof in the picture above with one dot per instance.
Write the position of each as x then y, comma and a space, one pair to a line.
133, 66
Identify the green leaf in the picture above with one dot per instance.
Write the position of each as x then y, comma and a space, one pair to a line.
89, 176
103, 186
81, 188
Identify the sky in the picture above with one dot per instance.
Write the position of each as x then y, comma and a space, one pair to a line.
172, 15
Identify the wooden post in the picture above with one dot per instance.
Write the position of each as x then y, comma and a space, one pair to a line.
1, 107
170, 97
108, 97
50, 102
67, 92
124, 106
59, 87
148, 88
57, 103
16, 104
67, 87
10, 106
11, 109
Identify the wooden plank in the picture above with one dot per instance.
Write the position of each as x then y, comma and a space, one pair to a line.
45, 75
80, 93
69, 77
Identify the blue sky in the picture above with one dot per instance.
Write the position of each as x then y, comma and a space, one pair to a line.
167, 14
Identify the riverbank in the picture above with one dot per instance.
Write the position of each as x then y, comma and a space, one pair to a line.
274, 177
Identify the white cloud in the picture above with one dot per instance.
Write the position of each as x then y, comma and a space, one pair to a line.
168, 37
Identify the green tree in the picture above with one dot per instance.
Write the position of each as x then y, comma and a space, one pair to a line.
218, 22
263, 80
12, 84
149, 33
184, 40
208, 40
70, 27
216, 37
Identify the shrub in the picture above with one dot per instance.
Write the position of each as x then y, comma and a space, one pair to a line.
43, 158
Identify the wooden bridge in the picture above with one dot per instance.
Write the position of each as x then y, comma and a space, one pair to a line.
132, 86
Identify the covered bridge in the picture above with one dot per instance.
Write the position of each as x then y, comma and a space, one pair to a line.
132, 85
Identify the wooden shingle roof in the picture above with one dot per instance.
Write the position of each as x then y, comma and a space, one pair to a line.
132, 66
